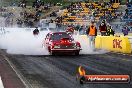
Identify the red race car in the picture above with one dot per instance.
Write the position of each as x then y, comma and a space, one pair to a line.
61, 42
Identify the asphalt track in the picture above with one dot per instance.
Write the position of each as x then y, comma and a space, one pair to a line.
60, 71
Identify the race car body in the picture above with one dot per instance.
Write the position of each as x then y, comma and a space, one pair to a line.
61, 42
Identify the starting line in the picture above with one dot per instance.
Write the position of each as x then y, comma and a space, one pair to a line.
1, 84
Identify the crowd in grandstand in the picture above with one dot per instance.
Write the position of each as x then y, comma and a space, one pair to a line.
128, 15
82, 10
77, 16
29, 16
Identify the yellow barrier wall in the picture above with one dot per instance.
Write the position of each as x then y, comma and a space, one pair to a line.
112, 43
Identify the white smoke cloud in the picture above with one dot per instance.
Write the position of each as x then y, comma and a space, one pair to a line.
22, 41
86, 48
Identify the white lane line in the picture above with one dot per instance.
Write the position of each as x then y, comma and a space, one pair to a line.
1, 84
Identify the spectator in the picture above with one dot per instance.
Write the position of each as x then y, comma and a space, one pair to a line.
26, 22
19, 23
126, 11
110, 31
82, 30
36, 31
12, 22
103, 28
125, 31
51, 21
92, 33
92, 18
77, 27
30, 24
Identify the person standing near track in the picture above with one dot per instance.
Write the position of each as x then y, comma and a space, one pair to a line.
36, 31
103, 28
125, 30
110, 31
92, 33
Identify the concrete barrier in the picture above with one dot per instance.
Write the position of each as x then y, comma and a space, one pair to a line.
117, 44
130, 39
121, 44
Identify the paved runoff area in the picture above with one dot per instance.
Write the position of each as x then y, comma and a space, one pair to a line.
9, 79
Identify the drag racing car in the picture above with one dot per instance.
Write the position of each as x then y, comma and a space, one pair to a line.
61, 42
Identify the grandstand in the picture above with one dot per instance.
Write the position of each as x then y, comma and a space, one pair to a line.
80, 13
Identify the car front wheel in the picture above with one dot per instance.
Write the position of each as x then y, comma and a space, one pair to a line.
52, 53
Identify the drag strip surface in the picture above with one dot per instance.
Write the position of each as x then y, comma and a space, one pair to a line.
60, 71
8, 76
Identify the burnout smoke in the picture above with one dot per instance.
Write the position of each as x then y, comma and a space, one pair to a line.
22, 41
86, 49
